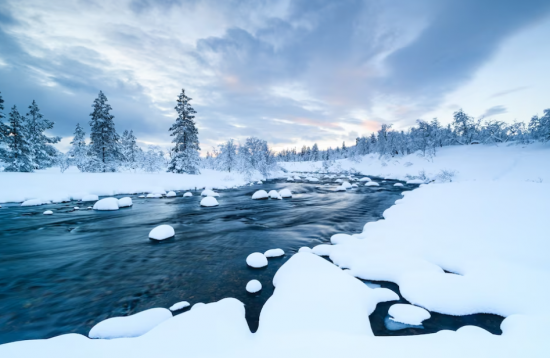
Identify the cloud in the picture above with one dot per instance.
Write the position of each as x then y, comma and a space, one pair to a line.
508, 91
493, 111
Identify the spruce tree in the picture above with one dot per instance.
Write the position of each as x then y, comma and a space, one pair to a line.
130, 149
78, 154
4, 131
185, 153
18, 155
104, 145
42, 153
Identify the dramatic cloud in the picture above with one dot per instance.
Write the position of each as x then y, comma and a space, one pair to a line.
290, 72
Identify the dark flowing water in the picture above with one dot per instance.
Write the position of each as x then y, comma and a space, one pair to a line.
65, 272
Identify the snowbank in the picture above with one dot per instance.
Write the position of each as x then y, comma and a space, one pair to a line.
76, 185
256, 260
162, 232
130, 326
106, 204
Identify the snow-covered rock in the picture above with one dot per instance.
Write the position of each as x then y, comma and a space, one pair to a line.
338, 181
162, 232
188, 194
106, 204
296, 177
259, 182
130, 326
90, 197
76, 208
397, 184
274, 253
285, 193
304, 249
60, 199
208, 192
354, 185
179, 306
372, 183
260, 194
341, 188
171, 194
48, 212
408, 314
256, 260
209, 201
154, 195
125, 202
35, 202
289, 179
273, 194
365, 179
253, 286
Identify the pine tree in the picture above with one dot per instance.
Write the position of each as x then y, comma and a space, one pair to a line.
78, 154
4, 131
42, 153
130, 149
185, 153
104, 144
18, 156
315, 152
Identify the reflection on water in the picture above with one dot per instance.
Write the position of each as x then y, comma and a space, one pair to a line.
65, 272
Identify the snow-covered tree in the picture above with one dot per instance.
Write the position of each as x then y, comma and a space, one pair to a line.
185, 153
78, 154
152, 160
315, 152
130, 149
256, 155
18, 158
4, 131
227, 156
42, 153
104, 145
465, 127
540, 127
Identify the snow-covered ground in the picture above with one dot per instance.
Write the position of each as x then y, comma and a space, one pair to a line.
53, 186
479, 244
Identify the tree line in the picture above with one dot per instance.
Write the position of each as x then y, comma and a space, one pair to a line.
425, 137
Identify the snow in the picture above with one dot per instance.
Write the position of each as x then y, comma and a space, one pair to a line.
341, 188
162, 232
322, 250
259, 182
34, 202
274, 253
130, 326
48, 212
125, 202
354, 185
170, 194
273, 194
338, 181
90, 197
285, 193
372, 183
416, 181
397, 184
209, 201
365, 179
304, 249
256, 260
76, 208
188, 194
154, 195
208, 192
106, 204
408, 314
346, 185
253, 286
289, 179
260, 194
179, 306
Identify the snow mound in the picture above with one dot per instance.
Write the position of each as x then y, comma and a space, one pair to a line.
154, 195
34, 202
256, 260
208, 192
340, 188
90, 197
274, 253
178, 306
285, 193
322, 250
397, 184
48, 212
338, 181
125, 202
106, 204
171, 194
304, 249
372, 183
346, 185
365, 179
273, 194
188, 194
253, 286
130, 326
260, 194
162, 232
209, 201
408, 314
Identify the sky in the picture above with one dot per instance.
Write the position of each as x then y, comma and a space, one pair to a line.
290, 72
